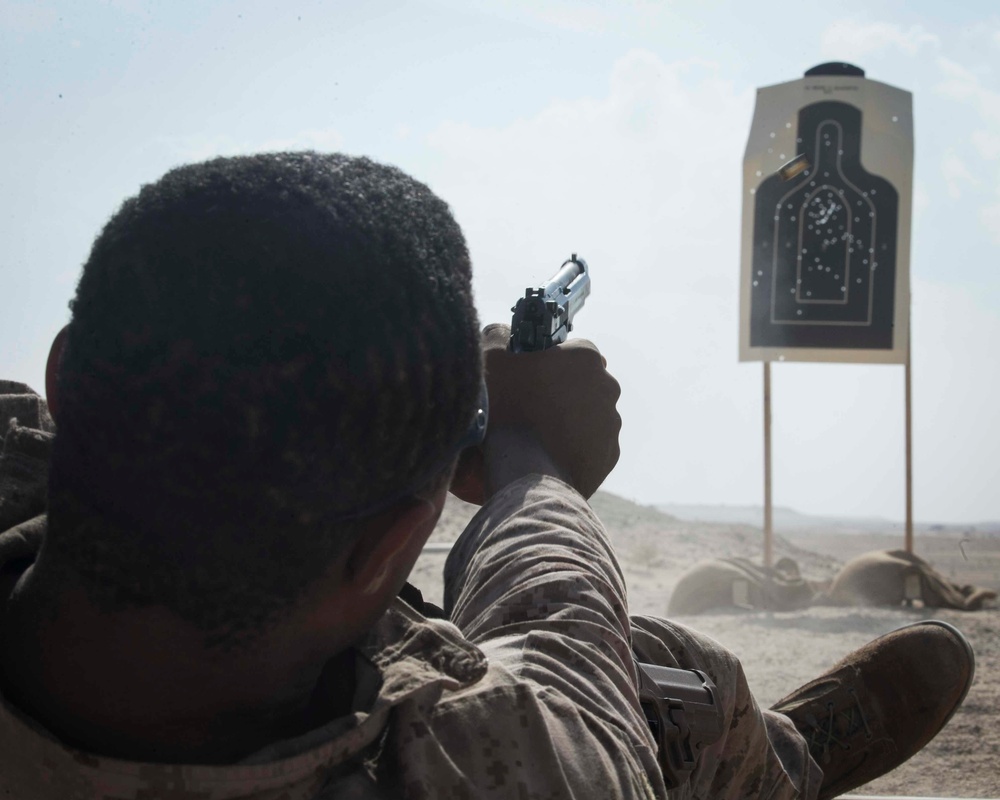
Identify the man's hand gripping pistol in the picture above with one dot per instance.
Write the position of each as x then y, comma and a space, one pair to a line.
680, 705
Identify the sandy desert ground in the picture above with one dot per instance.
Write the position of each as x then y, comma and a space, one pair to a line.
783, 650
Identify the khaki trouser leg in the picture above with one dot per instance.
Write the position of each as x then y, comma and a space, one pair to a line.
760, 754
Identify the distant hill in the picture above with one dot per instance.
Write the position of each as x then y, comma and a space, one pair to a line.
784, 518
617, 512
790, 520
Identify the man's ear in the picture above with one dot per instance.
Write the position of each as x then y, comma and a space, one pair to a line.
384, 554
52, 372
468, 482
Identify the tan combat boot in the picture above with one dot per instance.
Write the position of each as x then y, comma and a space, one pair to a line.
882, 703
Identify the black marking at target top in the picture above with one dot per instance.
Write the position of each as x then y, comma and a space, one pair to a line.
824, 247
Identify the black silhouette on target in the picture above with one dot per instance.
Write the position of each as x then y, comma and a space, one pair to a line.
824, 249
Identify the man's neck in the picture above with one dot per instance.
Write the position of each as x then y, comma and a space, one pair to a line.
142, 685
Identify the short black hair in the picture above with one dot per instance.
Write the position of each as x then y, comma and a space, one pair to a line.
258, 346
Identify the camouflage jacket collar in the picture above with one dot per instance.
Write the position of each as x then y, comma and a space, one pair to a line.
408, 660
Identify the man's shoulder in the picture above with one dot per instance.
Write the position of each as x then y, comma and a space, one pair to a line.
510, 735
19, 401
26, 436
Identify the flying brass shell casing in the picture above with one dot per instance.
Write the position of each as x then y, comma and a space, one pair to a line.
793, 168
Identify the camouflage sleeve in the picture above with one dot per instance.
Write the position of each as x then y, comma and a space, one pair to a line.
26, 436
534, 582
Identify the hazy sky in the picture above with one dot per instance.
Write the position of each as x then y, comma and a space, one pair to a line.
611, 129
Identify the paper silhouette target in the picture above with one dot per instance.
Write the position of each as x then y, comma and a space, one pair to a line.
825, 243
823, 270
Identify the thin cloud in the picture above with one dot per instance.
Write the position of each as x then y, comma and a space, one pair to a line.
989, 216
987, 144
569, 15
619, 171
27, 17
956, 173
200, 148
850, 39
963, 86
127, 6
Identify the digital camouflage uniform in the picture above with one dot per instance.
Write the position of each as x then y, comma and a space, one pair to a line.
529, 692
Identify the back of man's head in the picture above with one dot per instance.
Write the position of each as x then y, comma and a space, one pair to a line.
259, 348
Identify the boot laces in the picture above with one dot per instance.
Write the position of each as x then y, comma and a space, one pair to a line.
836, 728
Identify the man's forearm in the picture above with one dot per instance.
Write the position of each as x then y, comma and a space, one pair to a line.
511, 454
